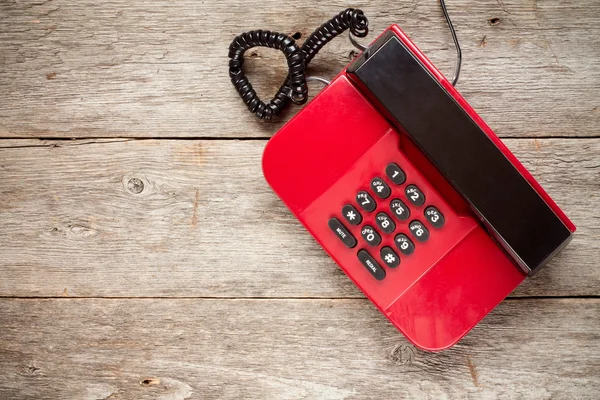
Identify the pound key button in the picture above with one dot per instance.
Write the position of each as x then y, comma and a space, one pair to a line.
341, 232
371, 265
389, 257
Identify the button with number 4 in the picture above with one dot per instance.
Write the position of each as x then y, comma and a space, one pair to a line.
385, 223
415, 195
370, 235
434, 216
380, 188
365, 201
404, 244
419, 231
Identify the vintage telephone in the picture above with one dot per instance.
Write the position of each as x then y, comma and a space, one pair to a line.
403, 184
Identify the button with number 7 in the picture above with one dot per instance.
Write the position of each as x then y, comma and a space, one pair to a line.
365, 201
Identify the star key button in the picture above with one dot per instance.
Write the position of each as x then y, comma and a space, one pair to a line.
351, 215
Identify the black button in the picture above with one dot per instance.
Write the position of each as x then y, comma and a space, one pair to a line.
380, 188
366, 202
389, 257
371, 265
370, 235
395, 173
385, 223
415, 195
351, 214
341, 232
404, 244
434, 216
400, 209
419, 231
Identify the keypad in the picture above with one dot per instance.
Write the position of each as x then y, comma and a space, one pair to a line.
435, 217
365, 201
370, 235
351, 214
414, 195
391, 220
380, 188
385, 223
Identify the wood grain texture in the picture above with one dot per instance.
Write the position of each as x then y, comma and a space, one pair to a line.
195, 218
137, 69
288, 349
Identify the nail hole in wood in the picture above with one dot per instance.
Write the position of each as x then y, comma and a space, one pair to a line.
149, 382
297, 35
494, 21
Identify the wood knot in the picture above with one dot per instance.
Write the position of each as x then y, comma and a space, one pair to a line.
135, 186
150, 382
29, 370
402, 354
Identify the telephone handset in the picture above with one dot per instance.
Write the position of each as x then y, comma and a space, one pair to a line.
412, 194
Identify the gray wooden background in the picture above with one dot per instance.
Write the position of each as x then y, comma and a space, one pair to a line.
143, 256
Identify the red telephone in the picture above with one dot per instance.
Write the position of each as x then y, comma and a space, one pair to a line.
412, 194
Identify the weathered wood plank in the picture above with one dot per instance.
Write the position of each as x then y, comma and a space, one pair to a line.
133, 69
288, 349
195, 218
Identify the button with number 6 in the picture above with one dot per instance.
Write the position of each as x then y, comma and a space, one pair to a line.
419, 231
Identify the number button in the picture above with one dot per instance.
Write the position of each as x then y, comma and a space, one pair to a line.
366, 202
435, 217
395, 173
380, 188
371, 265
385, 223
415, 195
419, 231
370, 235
389, 257
400, 209
351, 215
341, 232
404, 244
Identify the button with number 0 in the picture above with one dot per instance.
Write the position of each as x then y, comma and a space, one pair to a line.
400, 209
380, 188
385, 223
434, 216
415, 195
404, 244
370, 235
365, 201
395, 173
419, 231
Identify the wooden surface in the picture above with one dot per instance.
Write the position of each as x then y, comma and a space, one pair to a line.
147, 258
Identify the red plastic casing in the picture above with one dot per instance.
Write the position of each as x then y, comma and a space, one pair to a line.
331, 150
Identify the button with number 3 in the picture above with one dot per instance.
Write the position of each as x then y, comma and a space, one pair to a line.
435, 217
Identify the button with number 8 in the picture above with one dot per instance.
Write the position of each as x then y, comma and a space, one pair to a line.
385, 223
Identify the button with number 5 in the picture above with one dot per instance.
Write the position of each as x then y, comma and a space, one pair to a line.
365, 201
